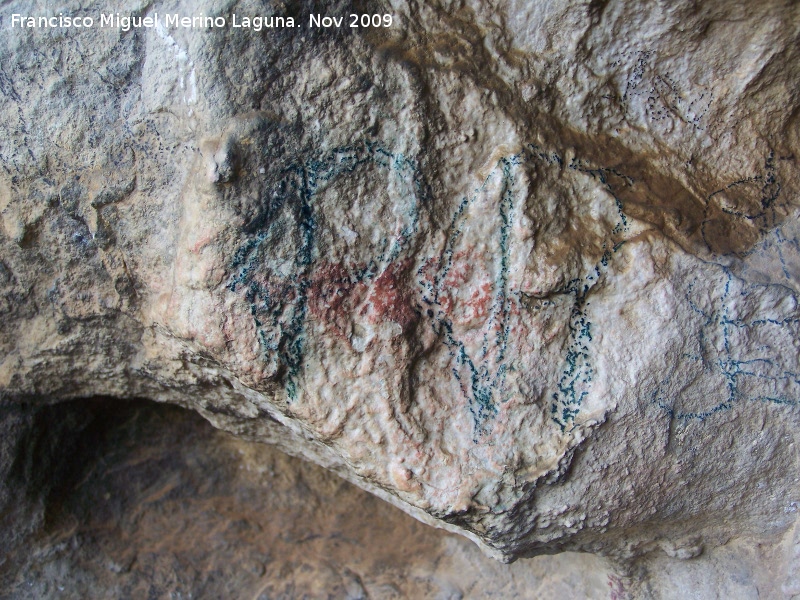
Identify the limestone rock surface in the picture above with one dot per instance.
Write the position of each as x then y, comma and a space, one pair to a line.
157, 503
114, 499
527, 270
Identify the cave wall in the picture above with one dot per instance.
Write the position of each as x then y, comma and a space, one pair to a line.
528, 271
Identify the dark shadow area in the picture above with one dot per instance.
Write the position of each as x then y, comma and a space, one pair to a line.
106, 498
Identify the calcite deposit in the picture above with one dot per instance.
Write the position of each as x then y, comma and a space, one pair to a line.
526, 270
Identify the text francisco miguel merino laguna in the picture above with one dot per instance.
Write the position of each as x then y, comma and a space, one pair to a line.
175, 21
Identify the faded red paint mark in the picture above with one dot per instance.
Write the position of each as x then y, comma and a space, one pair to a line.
333, 297
459, 271
616, 588
428, 272
479, 302
390, 298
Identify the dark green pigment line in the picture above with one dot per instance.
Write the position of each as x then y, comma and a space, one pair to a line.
769, 369
295, 192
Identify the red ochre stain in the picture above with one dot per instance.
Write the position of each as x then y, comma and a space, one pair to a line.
428, 272
333, 297
390, 298
459, 271
479, 303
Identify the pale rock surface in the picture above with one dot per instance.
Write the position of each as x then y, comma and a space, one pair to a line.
527, 270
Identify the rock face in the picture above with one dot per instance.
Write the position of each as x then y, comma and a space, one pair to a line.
113, 499
156, 503
528, 270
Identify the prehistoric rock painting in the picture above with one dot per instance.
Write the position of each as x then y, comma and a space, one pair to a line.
279, 298
734, 345
474, 330
509, 266
661, 96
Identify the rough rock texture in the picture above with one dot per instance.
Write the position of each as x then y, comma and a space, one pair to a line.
155, 503
527, 270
